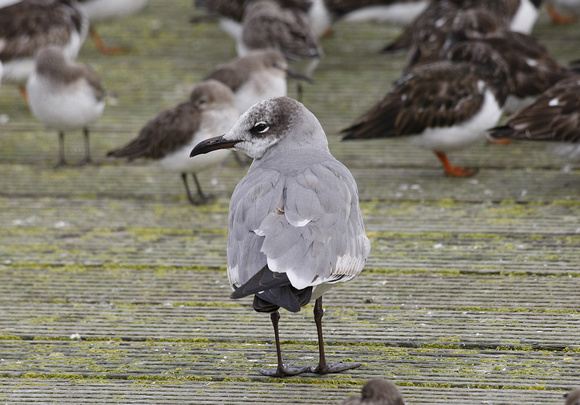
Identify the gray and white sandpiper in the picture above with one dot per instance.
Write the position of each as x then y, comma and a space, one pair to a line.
259, 75
65, 95
296, 228
377, 391
169, 137
268, 25
554, 117
442, 106
106, 10
28, 26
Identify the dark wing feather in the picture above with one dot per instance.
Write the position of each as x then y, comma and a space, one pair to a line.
439, 94
554, 116
28, 26
167, 132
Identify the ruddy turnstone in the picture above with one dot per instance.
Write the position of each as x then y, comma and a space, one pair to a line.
442, 106
553, 117
26, 26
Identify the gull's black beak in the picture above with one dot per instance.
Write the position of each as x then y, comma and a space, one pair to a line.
299, 76
215, 143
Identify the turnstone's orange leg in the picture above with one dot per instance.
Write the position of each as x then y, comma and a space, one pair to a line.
104, 49
24, 93
558, 18
454, 171
503, 141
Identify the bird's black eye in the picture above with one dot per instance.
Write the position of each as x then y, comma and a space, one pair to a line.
260, 128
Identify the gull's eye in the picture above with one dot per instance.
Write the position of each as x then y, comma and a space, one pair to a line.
260, 128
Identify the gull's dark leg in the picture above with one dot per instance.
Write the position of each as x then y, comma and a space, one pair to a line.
187, 191
282, 370
61, 161
87, 158
323, 367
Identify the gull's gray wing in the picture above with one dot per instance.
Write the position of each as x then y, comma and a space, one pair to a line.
305, 222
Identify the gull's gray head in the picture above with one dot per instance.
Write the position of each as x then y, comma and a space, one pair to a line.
280, 121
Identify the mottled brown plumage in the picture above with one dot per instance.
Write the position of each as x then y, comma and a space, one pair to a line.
30, 25
439, 94
554, 116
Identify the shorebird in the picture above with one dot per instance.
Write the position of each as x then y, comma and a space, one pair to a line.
518, 15
259, 75
442, 106
169, 136
28, 26
105, 10
267, 25
295, 224
377, 391
65, 95
553, 117
573, 397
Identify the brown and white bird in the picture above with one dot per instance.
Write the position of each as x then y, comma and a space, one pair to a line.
65, 95
26, 26
554, 117
296, 227
267, 25
442, 106
259, 75
106, 10
517, 15
169, 137
377, 391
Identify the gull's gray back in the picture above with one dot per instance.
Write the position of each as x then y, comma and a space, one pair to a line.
297, 212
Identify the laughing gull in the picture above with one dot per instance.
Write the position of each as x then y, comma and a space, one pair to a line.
267, 25
295, 224
573, 397
65, 95
28, 26
105, 10
377, 391
442, 106
553, 117
169, 137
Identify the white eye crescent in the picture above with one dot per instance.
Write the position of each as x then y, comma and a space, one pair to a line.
260, 128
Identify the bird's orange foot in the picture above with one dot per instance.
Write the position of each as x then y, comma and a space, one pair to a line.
503, 141
559, 18
459, 171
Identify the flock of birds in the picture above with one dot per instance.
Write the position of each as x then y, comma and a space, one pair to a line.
296, 227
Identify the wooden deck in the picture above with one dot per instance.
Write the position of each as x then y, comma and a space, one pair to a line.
113, 288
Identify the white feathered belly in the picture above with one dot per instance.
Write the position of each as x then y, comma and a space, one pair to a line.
63, 108
446, 139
